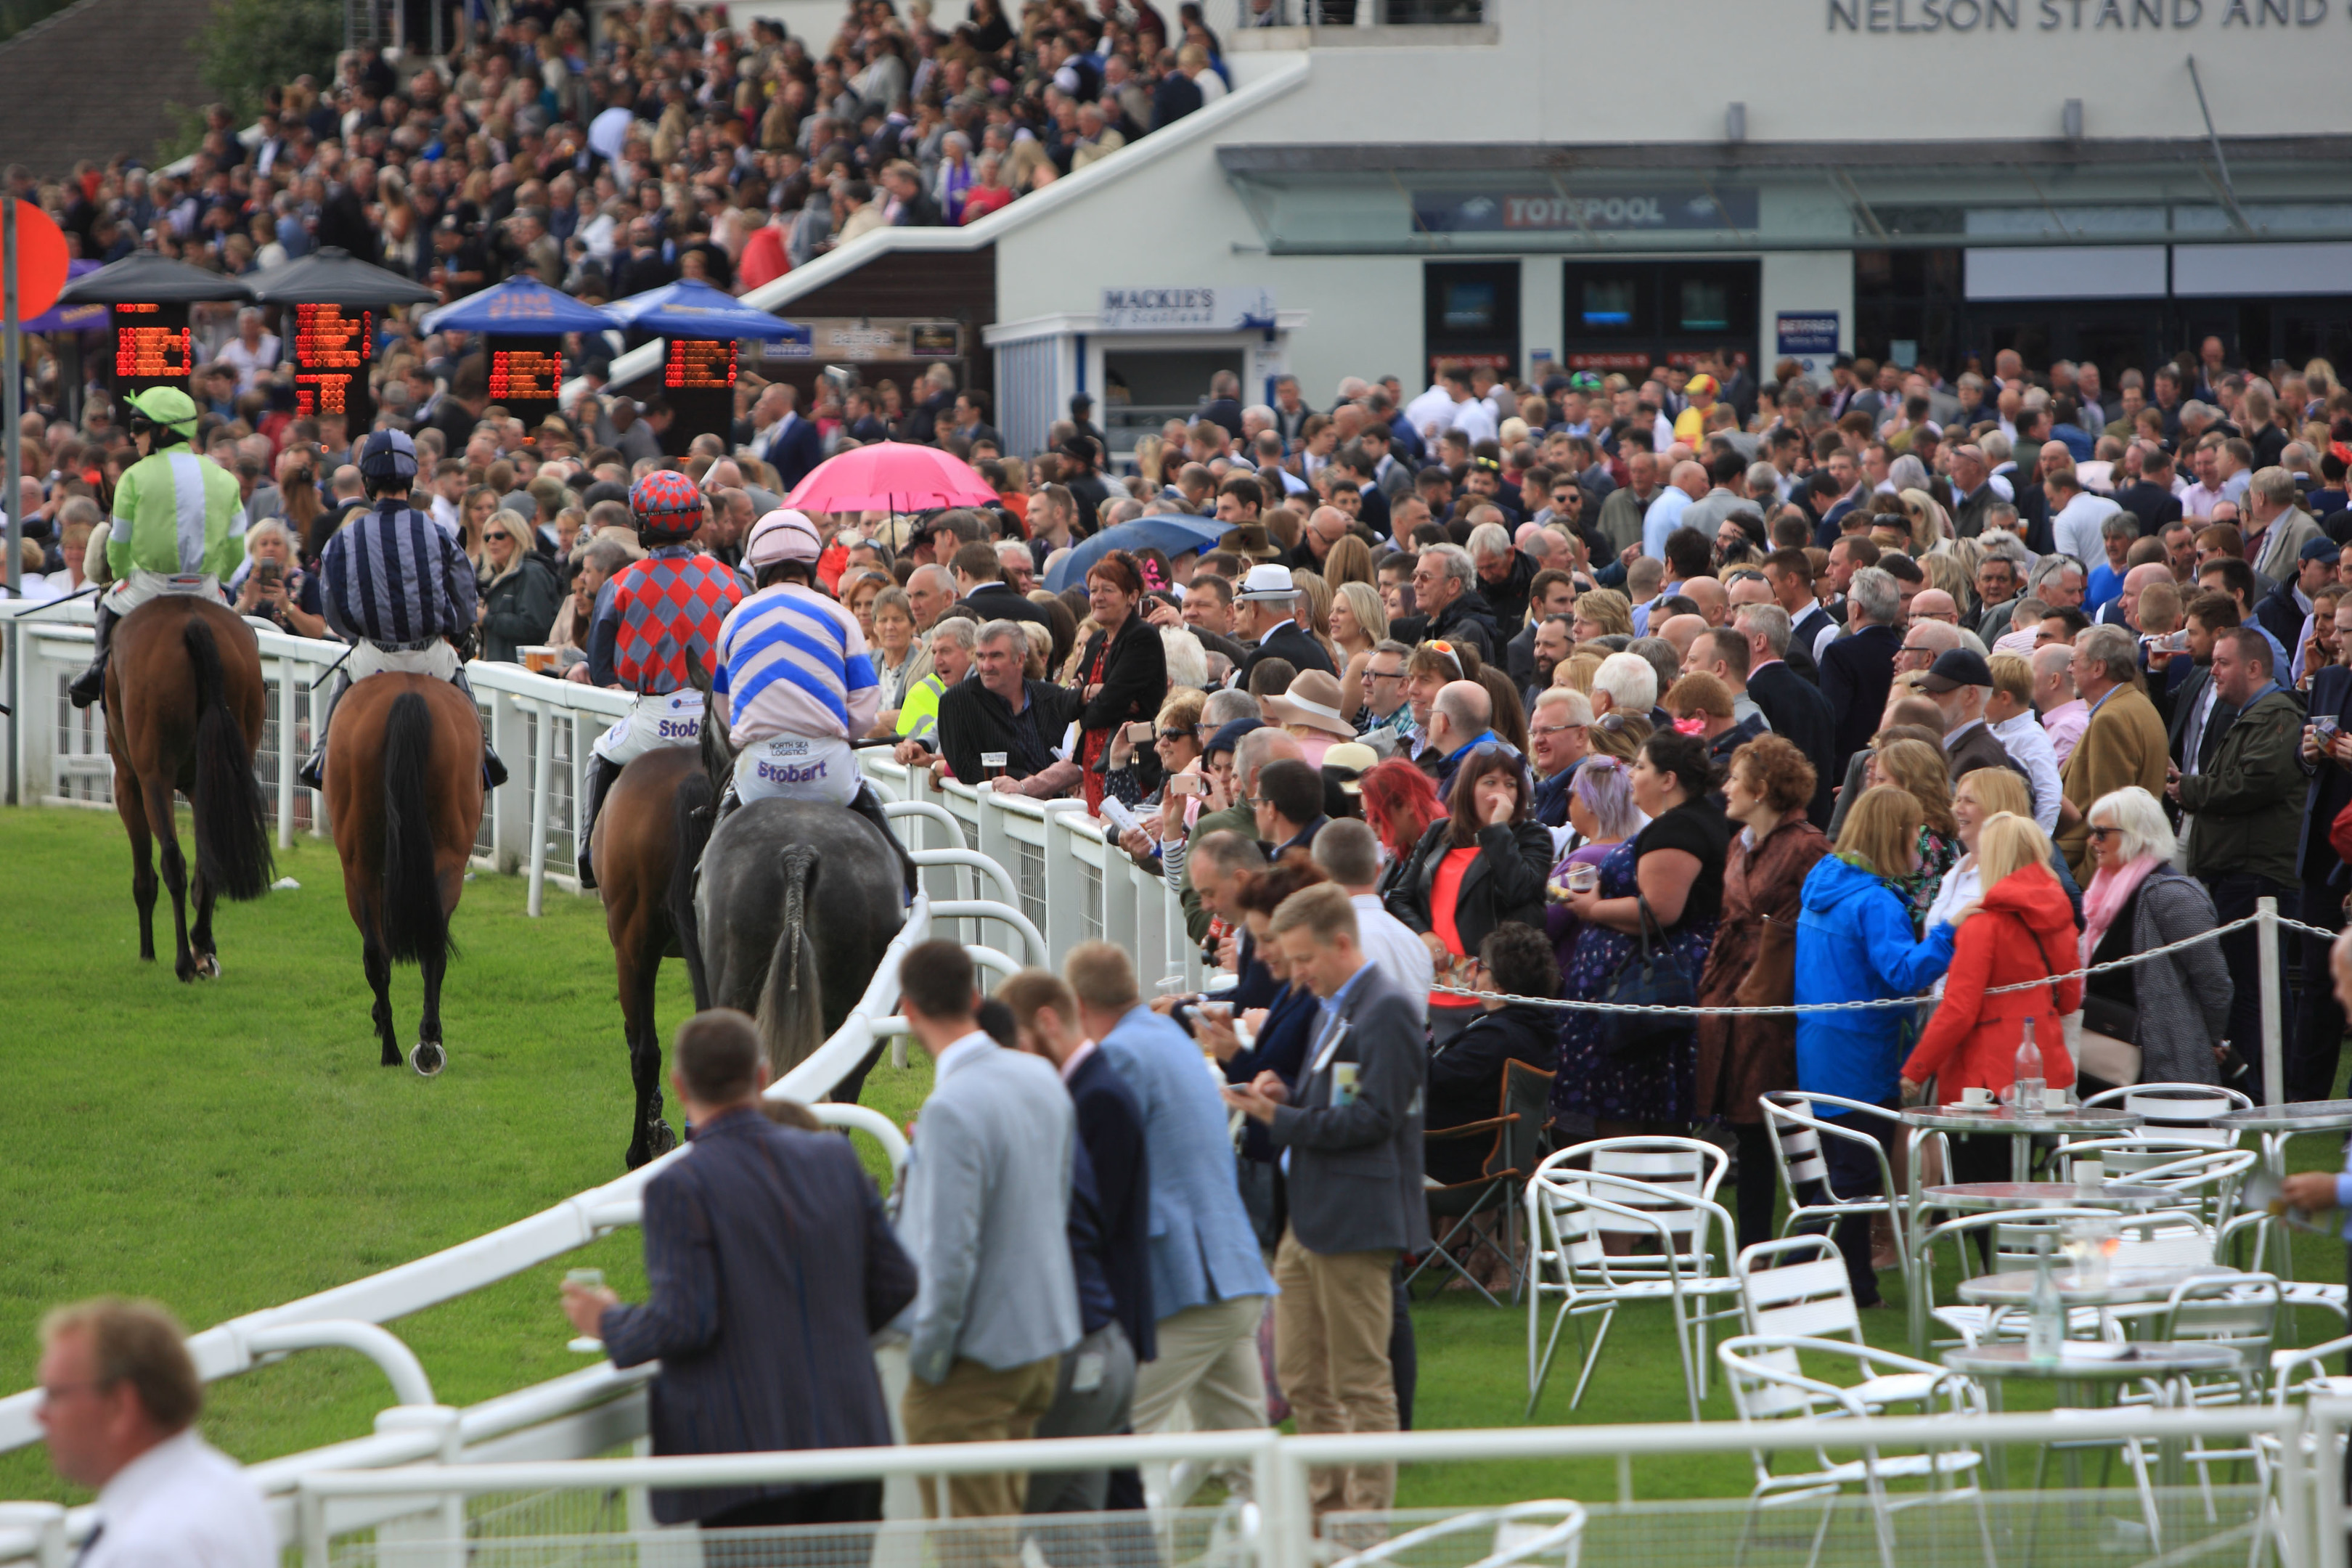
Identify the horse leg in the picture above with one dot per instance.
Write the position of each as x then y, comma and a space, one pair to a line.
130, 807
650, 1134
428, 1058
158, 794
846, 1091
200, 935
379, 976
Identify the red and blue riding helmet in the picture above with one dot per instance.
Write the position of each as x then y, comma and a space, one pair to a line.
668, 505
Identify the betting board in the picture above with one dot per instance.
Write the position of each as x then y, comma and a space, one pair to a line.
699, 382
332, 347
525, 375
151, 348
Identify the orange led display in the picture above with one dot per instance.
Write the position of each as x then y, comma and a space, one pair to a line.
332, 346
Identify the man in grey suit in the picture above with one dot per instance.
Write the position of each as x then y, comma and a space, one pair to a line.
1352, 1148
986, 1203
1209, 1284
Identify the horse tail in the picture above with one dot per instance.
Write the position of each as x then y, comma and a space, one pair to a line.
415, 927
692, 833
232, 853
792, 1010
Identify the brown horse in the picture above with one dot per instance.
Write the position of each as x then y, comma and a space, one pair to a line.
184, 707
405, 792
648, 839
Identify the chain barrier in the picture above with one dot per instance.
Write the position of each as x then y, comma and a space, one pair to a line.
1869, 1005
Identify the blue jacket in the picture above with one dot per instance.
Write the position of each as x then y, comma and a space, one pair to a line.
1854, 943
1202, 1247
768, 1266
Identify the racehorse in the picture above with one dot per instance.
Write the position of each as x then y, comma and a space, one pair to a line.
648, 839
183, 708
798, 903
405, 792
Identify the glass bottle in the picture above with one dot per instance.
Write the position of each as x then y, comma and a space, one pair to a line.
2029, 1071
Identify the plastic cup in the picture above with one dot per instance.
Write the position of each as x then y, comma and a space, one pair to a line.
1583, 877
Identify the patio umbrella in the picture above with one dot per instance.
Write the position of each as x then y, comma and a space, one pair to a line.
1168, 533
148, 278
890, 476
693, 309
519, 308
69, 318
333, 276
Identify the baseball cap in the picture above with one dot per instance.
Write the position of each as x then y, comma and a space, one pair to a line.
1955, 667
2320, 548
1230, 735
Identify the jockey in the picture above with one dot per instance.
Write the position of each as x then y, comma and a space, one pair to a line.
178, 525
794, 682
398, 585
648, 618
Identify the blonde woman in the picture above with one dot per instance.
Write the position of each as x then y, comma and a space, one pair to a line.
1931, 526
1920, 771
1319, 613
1577, 670
1601, 613
1150, 462
1358, 622
1350, 560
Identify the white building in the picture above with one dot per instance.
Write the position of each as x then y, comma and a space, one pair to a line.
1603, 182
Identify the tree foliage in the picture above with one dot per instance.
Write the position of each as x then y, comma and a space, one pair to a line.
252, 44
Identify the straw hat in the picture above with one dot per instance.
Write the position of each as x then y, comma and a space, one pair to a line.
1313, 701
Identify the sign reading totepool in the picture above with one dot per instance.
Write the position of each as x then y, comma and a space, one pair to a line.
1618, 212
1186, 310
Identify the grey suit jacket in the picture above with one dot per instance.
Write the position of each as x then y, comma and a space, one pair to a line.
987, 1200
1355, 1159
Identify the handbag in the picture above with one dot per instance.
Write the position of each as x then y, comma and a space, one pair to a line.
1650, 976
2102, 1056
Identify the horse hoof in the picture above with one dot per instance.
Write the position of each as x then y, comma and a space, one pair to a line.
662, 1139
428, 1058
208, 967
391, 1057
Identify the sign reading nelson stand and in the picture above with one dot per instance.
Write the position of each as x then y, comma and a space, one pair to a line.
2070, 15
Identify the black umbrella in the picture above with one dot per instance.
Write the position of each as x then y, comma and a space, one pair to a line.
147, 277
333, 276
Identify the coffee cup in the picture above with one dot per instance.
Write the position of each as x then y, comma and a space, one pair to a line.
1976, 1096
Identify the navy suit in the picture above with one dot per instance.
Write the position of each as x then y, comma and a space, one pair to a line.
2325, 883
1110, 1126
794, 448
1856, 671
1800, 715
769, 1267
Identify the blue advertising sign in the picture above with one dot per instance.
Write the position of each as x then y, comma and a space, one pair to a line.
1808, 332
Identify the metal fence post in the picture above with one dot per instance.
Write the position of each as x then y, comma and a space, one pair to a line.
542, 794
2266, 938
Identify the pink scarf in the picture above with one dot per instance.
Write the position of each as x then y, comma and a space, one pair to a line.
2109, 891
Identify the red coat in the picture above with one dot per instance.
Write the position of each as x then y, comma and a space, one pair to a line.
1970, 1041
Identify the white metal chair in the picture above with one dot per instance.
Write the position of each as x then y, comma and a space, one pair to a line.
2169, 1239
2183, 1110
1797, 1133
1654, 1190
1798, 1289
2296, 1377
2208, 1181
1552, 1531
1769, 1382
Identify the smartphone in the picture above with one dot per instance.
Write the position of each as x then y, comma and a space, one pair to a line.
1140, 733
1184, 783
268, 572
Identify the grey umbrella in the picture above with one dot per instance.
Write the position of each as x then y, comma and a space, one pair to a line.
333, 276
147, 277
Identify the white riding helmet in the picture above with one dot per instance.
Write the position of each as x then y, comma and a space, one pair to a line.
783, 536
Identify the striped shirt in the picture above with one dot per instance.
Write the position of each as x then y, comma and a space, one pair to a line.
176, 512
793, 662
394, 575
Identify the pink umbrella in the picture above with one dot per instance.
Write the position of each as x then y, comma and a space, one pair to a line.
890, 476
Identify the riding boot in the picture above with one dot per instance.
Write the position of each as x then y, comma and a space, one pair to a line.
89, 686
494, 772
312, 773
599, 780
869, 806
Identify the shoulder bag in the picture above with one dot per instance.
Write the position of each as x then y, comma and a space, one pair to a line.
2102, 1056
1650, 976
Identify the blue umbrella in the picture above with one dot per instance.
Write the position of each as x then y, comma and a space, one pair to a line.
520, 307
693, 309
1167, 532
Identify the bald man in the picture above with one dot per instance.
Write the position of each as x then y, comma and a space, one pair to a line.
1459, 720
2123, 611
1713, 601
1325, 528
1934, 604
1682, 631
1685, 484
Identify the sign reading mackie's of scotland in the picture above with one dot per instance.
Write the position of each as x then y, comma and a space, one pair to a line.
2070, 15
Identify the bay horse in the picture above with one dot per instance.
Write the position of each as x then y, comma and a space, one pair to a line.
184, 703
404, 778
648, 839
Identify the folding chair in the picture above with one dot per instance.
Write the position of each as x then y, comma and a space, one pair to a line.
1769, 1382
1552, 1530
1514, 1140
1653, 1190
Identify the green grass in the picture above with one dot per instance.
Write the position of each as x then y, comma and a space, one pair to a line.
233, 1145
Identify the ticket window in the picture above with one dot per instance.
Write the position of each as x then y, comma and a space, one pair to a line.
1144, 388
1470, 314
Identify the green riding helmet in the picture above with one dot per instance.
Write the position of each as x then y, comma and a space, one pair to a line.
168, 407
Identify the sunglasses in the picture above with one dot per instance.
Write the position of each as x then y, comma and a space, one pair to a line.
2102, 833
499, 535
